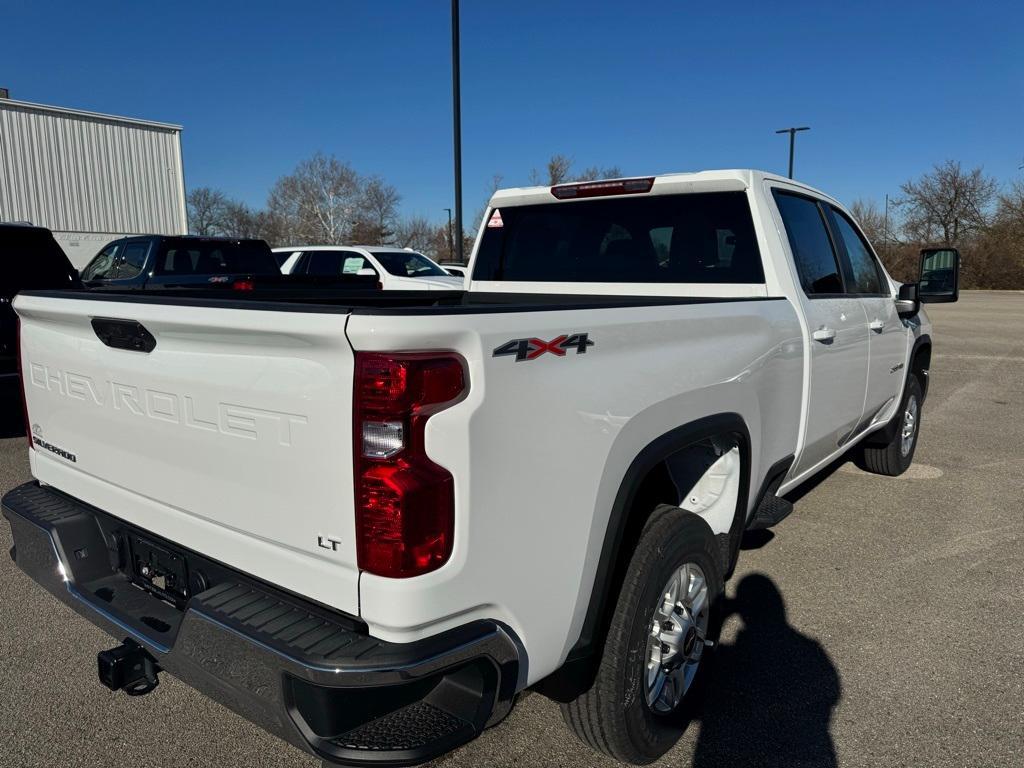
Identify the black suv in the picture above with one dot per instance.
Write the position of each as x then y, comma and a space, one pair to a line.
160, 261
29, 259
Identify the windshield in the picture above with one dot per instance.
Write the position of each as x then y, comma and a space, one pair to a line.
408, 264
690, 238
210, 257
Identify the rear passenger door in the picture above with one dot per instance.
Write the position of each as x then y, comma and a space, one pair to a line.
838, 328
887, 336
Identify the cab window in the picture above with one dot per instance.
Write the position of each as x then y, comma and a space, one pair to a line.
132, 260
330, 263
104, 264
705, 237
816, 262
861, 270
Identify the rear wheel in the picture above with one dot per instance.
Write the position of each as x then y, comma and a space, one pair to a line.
896, 457
658, 643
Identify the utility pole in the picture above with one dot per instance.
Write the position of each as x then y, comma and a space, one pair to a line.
457, 130
792, 143
450, 241
885, 227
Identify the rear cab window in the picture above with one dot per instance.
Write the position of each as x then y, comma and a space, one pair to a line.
704, 238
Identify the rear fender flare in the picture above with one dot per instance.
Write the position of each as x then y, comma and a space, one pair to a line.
665, 452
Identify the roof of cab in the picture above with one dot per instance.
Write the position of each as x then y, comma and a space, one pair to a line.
735, 179
370, 248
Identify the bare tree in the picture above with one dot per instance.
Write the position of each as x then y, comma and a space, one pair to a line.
947, 205
872, 221
996, 260
593, 173
1010, 207
318, 202
238, 220
206, 209
420, 235
559, 171
377, 214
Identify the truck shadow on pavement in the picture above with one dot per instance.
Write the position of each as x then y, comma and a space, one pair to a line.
771, 692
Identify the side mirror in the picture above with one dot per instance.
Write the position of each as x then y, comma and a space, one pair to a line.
367, 272
940, 276
907, 303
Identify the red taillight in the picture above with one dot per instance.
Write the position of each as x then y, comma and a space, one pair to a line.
244, 285
404, 502
21, 382
601, 188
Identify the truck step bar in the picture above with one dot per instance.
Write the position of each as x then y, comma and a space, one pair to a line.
772, 509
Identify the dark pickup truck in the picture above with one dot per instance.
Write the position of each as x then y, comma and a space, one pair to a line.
158, 261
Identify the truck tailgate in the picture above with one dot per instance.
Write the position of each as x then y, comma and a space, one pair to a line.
231, 436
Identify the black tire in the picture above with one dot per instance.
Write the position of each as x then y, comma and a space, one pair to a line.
891, 459
613, 716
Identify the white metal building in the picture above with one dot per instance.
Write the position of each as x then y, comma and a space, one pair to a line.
89, 177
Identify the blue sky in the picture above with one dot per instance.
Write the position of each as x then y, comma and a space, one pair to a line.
888, 88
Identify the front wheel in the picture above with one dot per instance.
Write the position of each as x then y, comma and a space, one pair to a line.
897, 455
658, 643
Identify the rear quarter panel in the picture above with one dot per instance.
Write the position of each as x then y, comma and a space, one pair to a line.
539, 448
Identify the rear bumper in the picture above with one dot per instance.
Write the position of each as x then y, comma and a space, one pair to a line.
309, 675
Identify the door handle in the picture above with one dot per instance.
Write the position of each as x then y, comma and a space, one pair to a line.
877, 325
824, 334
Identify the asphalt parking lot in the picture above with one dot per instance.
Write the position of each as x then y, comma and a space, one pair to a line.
881, 624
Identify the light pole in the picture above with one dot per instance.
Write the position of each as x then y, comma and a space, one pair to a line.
792, 142
457, 130
450, 255
885, 226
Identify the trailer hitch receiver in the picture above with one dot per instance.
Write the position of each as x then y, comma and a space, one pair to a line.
128, 668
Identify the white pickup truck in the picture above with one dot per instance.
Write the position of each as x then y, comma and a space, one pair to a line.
367, 523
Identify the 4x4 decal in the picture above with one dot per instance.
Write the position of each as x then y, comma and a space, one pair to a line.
531, 349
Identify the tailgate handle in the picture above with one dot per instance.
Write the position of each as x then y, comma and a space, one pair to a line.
123, 334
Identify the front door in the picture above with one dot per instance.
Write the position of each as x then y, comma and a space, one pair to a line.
887, 335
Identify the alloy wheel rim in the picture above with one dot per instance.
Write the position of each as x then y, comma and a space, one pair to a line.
677, 638
909, 426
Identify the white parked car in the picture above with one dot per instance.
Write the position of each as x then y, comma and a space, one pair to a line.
397, 269
366, 522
